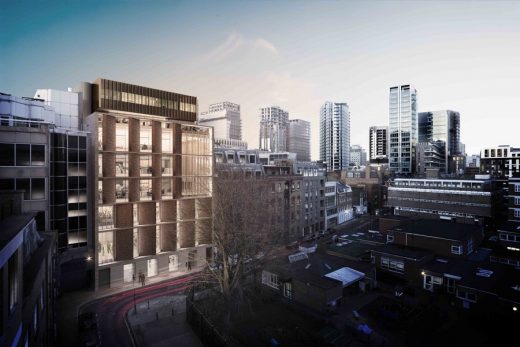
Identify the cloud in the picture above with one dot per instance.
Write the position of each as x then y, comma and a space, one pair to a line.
266, 45
235, 41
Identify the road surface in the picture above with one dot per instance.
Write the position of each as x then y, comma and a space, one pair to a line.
111, 310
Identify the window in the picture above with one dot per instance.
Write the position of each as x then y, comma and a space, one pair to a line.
23, 155
287, 290
517, 213
503, 237
38, 189
392, 264
24, 184
7, 184
105, 247
389, 238
517, 200
456, 249
270, 280
466, 296
6, 154
38, 155
517, 188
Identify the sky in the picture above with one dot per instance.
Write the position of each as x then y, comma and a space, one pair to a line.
463, 56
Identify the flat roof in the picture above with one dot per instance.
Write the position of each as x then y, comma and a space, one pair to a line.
11, 226
439, 228
346, 275
510, 227
403, 252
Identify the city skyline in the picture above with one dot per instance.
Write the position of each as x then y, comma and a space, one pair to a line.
353, 55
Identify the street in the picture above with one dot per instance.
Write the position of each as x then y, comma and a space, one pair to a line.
111, 310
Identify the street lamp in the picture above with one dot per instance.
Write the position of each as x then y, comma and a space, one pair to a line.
133, 284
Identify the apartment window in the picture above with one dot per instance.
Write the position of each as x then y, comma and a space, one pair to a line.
517, 213
287, 290
503, 237
392, 264
517, 188
23, 155
38, 155
270, 279
467, 296
456, 249
25, 185
517, 200
389, 238
6, 154
7, 184
37, 188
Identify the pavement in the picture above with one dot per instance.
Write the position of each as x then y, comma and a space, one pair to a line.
156, 325
70, 305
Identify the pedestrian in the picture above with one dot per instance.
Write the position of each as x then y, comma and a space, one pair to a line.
187, 266
144, 280
133, 277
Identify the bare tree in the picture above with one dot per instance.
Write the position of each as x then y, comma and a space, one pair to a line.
246, 229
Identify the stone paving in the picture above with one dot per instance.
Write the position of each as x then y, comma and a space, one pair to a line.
154, 325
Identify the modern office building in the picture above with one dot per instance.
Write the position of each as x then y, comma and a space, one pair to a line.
24, 153
335, 135
27, 268
501, 161
430, 156
463, 201
48, 160
473, 160
274, 124
358, 156
402, 128
299, 139
368, 189
151, 183
443, 129
338, 204
378, 142
225, 119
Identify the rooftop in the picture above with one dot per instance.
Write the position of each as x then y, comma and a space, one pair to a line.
11, 226
439, 228
403, 252
510, 227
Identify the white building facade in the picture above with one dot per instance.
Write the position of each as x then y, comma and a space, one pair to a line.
335, 135
403, 131
274, 123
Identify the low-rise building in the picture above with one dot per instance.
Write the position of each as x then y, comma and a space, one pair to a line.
338, 204
499, 161
444, 238
28, 286
318, 281
464, 201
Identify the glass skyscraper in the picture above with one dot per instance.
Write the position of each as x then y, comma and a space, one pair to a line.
442, 127
335, 135
402, 128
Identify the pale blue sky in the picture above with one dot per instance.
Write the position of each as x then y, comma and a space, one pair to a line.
463, 56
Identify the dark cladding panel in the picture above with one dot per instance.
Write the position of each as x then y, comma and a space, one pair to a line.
118, 96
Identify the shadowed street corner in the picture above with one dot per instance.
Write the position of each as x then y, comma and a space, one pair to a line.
155, 324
